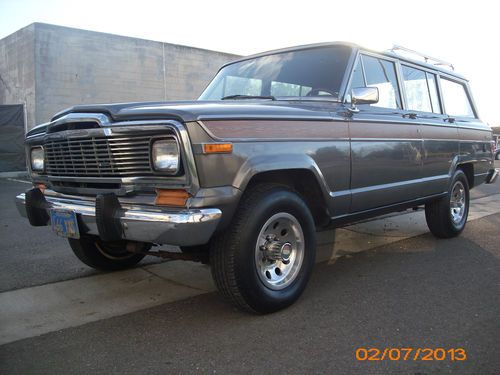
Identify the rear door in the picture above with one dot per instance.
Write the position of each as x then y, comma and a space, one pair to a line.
386, 147
440, 137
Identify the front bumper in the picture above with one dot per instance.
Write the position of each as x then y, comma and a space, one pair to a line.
143, 223
492, 176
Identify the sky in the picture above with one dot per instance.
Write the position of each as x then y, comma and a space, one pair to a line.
463, 32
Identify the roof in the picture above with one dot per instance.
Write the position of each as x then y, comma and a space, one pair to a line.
354, 47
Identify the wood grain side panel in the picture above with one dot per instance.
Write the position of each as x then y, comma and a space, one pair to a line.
383, 130
276, 129
439, 132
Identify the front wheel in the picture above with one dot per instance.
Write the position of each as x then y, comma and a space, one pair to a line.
446, 217
263, 262
107, 256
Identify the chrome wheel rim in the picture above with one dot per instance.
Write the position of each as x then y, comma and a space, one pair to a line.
279, 251
457, 202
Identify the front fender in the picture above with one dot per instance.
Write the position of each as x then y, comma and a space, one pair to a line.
278, 162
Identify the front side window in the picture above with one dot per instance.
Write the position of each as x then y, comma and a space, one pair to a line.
456, 101
382, 74
302, 73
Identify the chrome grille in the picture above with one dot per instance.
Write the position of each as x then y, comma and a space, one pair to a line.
99, 157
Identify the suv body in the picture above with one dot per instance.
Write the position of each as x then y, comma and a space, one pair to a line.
304, 138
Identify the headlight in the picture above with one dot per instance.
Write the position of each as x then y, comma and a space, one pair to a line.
37, 159
165, 155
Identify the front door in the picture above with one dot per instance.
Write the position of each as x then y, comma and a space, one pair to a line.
386, 145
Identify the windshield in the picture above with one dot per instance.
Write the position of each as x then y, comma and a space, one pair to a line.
305, 73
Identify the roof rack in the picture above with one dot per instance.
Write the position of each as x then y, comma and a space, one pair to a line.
427, 58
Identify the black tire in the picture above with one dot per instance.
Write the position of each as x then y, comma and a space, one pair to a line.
438, 214
233, 254
106, 256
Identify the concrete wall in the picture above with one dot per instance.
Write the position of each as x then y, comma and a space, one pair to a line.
17, 70
51, 67
81, 67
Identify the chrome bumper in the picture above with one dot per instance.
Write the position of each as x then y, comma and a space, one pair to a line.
186, 227
492, 176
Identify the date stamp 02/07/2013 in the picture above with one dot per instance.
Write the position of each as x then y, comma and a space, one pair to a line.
410, 354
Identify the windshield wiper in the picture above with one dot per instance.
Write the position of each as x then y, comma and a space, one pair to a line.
248, 97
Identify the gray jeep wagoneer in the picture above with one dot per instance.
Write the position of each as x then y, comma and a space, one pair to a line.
278, 146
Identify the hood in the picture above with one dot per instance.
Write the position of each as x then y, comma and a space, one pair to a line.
187, 111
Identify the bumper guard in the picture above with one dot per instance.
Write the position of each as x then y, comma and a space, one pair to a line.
492, 176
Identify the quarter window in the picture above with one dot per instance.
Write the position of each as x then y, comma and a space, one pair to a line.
420, 89
456, 101
357, 80
357, 76
382, 74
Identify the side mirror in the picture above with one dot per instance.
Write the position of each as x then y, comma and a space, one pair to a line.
364, 95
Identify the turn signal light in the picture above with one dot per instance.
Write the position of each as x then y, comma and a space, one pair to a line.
217, 148
170, 197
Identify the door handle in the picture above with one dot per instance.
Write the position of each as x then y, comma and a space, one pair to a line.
413, 116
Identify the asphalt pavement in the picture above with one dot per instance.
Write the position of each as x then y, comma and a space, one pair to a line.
33, 255
406, 290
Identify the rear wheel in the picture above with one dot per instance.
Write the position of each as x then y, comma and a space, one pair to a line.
262, 263
446, 217
108, 256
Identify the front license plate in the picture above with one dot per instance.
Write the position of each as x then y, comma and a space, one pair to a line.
64, 223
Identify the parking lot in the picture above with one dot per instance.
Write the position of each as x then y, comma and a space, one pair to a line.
384, 283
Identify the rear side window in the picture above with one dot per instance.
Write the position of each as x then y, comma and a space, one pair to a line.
433, 91
420, 89
456, 101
